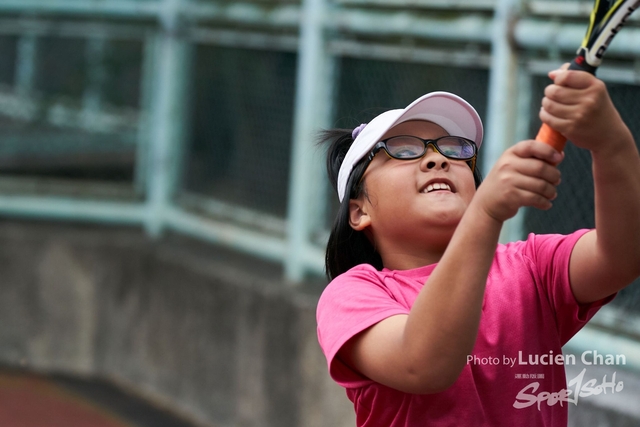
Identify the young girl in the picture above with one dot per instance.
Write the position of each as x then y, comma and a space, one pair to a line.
428, 321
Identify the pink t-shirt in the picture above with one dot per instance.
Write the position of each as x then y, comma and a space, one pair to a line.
529, 311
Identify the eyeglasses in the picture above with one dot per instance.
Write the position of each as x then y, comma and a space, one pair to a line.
407, 147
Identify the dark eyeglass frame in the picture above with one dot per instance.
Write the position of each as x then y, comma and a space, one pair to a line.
382, 145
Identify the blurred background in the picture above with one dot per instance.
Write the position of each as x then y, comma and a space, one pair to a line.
163, 203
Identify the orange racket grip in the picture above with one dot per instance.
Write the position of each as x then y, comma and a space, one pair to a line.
552, 137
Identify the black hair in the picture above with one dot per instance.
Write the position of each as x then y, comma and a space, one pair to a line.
347, 247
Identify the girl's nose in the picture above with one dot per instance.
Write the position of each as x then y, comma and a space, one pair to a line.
434, 160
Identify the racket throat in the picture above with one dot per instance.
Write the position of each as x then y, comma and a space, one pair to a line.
580, 62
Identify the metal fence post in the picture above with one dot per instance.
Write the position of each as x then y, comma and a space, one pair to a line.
514, 229
312, 110
167, 116
503, 93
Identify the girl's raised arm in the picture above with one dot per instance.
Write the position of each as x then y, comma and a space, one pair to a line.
608, 258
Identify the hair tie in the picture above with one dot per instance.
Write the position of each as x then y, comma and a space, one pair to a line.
357, 131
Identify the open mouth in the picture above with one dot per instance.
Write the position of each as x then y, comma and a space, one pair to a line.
438, 186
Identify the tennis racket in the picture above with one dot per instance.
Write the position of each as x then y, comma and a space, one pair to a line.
607, 18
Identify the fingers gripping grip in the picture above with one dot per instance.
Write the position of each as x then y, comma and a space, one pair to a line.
551, 136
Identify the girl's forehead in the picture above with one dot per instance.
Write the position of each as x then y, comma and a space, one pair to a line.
420, 128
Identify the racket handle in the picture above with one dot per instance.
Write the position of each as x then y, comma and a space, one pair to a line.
551, 137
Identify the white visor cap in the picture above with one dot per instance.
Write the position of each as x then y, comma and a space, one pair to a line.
452, 113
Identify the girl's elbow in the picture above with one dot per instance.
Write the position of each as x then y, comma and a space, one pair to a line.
433, 380
626, 272
430, 386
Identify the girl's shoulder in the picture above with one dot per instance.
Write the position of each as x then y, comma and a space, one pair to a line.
363, 279
365, 282
360, 273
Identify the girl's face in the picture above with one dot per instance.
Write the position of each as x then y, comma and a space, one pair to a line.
409, 203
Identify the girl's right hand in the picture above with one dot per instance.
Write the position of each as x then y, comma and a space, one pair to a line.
525, 175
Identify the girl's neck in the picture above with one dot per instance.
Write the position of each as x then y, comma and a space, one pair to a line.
407, 259
406, 251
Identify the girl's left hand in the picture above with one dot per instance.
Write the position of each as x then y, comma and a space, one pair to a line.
578, 106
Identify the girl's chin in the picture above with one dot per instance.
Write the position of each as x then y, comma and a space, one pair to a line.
441, 220
444, 211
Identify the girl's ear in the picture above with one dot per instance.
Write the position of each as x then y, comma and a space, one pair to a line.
359, 219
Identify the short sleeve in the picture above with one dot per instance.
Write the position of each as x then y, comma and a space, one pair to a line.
551, 255
351, 303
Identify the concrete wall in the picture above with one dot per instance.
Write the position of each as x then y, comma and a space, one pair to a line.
211, 334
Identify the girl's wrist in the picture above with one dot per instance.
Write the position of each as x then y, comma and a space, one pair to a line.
615, 146
482, 217
615, 140
487, 209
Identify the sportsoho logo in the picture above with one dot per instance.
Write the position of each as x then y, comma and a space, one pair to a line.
577, 387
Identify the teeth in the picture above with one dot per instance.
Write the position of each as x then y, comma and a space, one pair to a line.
438, 186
